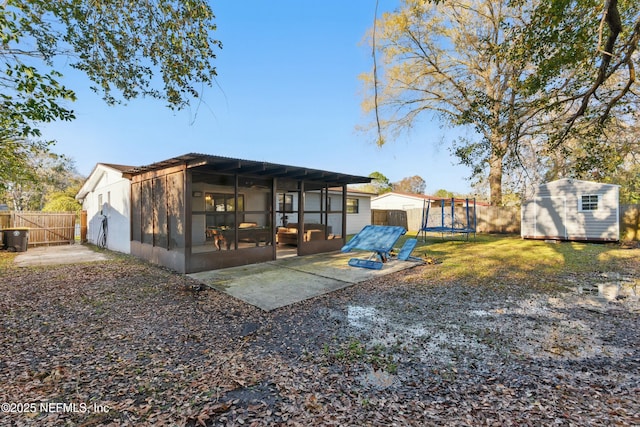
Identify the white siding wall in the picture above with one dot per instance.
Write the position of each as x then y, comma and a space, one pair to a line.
114, 191
356, 222
555, 211
396, 201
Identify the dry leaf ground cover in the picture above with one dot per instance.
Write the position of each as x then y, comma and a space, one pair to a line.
499, 331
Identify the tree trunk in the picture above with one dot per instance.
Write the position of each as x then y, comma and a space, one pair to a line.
495, 179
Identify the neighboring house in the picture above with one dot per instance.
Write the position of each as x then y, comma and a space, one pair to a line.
106, 194
400, 201
200, 212
571, 209
453, 213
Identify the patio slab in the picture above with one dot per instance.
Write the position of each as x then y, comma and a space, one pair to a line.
60, 254
283, 282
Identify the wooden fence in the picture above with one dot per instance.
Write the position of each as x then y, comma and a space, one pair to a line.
498, 219
389, 217
630, 222
493, 219
490, 219
45, 228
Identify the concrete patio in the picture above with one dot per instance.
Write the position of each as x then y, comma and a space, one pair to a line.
59, 254
279, 283
268, 285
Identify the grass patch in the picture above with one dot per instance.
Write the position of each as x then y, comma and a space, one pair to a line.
6, 259
355, 351
498, 258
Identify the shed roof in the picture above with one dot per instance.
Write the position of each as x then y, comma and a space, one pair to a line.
574, 181
250, 167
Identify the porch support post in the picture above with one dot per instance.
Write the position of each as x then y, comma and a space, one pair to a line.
236, 215
274, 216
325, 212
344, 213
301, 215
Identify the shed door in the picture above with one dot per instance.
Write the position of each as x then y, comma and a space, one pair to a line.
551, 217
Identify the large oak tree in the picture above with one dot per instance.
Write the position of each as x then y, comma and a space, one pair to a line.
529, 77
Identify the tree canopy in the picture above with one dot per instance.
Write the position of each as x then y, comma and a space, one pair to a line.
534, 80
445, 194
42, 178
62, 203
128, 48
412, 184
586, 51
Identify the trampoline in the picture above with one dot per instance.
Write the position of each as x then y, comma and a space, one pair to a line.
448, 222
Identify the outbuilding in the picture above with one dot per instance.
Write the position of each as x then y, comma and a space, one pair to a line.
572, 209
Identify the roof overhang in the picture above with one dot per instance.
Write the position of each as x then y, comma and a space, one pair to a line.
229, 165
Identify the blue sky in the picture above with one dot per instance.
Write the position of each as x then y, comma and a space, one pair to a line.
288, 92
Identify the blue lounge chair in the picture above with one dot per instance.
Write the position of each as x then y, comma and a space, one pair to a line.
378, 239
407, 248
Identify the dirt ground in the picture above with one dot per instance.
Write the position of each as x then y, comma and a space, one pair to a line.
122, 342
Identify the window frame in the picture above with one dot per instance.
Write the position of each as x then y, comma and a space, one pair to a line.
229, 202
353, 208
588, 204
285, 203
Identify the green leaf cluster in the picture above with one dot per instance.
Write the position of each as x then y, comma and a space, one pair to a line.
128, 48
35, 181
62, 203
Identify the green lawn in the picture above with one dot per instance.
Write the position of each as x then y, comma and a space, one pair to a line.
488, 259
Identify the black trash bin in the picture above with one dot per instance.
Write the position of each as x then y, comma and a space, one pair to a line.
16, 239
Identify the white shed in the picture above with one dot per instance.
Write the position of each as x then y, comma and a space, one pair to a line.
107, 194
571, 209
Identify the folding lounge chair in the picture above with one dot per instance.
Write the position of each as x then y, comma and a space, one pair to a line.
407, 248
365, 263
379, 240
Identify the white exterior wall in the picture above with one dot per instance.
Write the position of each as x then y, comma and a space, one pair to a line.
556, 212
393, 201
356, 222
115, 191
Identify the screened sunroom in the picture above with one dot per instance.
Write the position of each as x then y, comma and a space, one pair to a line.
199, 212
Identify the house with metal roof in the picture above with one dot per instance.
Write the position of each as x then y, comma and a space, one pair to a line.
200, 212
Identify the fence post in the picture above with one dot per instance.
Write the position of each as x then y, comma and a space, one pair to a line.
83, 227
5, 220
